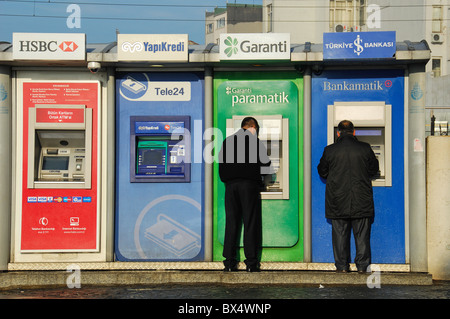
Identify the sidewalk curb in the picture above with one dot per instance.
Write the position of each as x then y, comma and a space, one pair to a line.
54, 279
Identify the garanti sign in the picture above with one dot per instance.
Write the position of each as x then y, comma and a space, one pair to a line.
359, 45
255, 46
153, 47
49, 46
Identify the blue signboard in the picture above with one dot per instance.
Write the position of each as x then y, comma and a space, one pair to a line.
388, 228
359, 45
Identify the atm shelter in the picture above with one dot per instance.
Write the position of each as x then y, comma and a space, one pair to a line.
300, 101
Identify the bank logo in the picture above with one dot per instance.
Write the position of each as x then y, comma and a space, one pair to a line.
132, 47
68, 46
231, 44
358, 44
416, 92
3, 93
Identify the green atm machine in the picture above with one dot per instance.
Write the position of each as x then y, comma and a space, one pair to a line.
275, 99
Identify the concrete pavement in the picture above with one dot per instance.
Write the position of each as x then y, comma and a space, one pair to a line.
35, 277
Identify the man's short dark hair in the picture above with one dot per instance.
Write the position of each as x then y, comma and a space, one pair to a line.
346, 127
250, 121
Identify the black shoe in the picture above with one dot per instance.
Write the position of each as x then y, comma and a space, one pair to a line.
253, 269
230, 269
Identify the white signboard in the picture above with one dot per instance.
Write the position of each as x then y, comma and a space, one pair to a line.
146, 90
153, 47
255, 46
49, 46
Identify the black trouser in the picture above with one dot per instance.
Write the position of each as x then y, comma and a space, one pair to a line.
341, 242
242, 204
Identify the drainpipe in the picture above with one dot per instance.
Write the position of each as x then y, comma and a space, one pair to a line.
5, 166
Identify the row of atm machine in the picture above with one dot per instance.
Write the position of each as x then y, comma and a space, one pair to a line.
159, 175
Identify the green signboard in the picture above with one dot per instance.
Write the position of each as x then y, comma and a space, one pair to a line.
275, 99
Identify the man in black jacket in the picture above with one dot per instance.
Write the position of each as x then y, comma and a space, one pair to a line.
348, 166
241, 161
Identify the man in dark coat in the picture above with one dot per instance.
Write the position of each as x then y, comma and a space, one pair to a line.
242, 160
348, 166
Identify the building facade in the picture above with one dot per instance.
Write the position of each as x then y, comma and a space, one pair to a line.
307, 20
235, 18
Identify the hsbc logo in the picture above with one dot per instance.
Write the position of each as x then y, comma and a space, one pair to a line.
49, 46
68, 46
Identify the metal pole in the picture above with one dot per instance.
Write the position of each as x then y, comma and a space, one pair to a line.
110, 163
307, 253
5, 166
208, 167
416, 168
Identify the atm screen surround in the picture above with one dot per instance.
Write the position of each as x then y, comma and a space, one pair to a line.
160, 149
55, 163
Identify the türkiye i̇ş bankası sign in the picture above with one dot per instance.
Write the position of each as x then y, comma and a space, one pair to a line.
359, 45
255, 46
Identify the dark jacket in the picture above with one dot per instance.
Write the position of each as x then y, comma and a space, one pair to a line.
243, 156
348, 165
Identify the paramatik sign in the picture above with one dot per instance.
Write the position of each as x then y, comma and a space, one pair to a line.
49, 46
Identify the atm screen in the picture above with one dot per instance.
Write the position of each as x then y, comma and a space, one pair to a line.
152, 157
55, 163
368, 132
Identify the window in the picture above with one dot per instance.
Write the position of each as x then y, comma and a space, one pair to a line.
269, 18
436, 22
210, 28
221, 23
346, 15
436, 67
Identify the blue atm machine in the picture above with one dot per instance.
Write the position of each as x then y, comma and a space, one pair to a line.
159, 188
374, 101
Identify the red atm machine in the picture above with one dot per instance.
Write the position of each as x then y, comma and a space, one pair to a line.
58, 171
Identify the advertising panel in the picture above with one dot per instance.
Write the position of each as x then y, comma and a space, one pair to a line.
60, 210
275, 100
159, 180
349, 91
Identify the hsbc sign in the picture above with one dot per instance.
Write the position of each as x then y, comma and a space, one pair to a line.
49, 46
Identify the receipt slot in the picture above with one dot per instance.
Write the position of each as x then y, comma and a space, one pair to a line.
274, 134
59, 149
160, 149
373, 125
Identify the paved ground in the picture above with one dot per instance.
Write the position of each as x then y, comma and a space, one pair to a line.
439, 290
234, 300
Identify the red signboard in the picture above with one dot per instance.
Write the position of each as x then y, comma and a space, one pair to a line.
60, 219
59, 115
